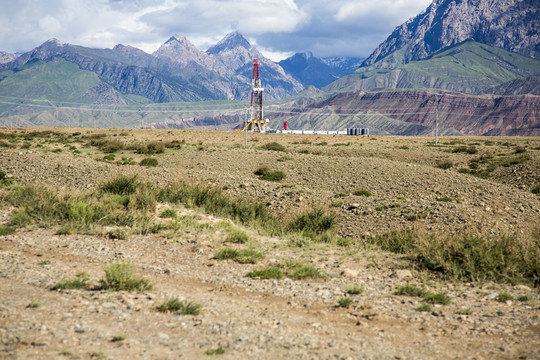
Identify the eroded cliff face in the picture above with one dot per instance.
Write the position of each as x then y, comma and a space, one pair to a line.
509, 24
414, 112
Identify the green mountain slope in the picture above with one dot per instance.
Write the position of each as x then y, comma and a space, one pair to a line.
57, 81
469, 67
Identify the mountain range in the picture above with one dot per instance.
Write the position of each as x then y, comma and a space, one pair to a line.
457, 54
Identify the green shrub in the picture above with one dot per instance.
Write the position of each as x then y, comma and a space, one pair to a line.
468, 257
465, 149
179, 307
437, 298
120, 337
271, 272
315, 221
411, 290
216, 351
504, 297
266, 174
168, 213
354, 290
20, 218
149, 162
345, 301
446, 164
4, 180
273, 146
362, 193
243, 256
119, 277
423, 308
299, 271
149, 149
78, 283
536, 190
119, 234
237, 237
121, 185
337, 203
109, 157
108, 146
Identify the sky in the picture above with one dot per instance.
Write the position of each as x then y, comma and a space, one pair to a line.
278, 28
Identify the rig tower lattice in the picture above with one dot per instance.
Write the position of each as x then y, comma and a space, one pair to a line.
256, 121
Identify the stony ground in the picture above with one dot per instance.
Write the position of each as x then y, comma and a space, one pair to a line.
272, 319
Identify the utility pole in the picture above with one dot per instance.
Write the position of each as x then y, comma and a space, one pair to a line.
245, 126
436, 124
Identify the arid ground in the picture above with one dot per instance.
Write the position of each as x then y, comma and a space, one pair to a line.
363, 294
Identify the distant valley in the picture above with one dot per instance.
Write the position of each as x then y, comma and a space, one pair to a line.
474, 64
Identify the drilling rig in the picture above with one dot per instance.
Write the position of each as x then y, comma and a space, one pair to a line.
256, 120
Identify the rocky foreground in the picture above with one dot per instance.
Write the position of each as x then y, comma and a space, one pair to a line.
244, 317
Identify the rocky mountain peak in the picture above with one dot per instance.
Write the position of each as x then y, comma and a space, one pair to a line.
511, 24
6, 57
232, 41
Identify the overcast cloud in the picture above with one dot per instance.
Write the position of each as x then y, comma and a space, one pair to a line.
277, 27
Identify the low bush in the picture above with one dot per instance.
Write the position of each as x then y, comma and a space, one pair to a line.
149, 162
179, 307
119, 277
78, 283
121, 185
265, 173
468, 257
273, 146
168, 213
7, 230
20, 218
423, 308
362, 193
315, 221
345, 301
271, 272
465, 149
536, 190
445, 164
354, 290
242, 256
237, 237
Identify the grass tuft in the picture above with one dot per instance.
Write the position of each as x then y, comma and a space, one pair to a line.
345, 301
179, 307
150, 162
119, 277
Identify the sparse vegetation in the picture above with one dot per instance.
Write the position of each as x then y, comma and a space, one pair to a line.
7, 230
504, 297
362, 193
119, 277
273, 146
242, 256
265, 173
345, 301
179, 307
216, 351
423, 308
445, 164
271, 272
168, 213
150, 162
467, 257
354, 289
78, 283
237, 237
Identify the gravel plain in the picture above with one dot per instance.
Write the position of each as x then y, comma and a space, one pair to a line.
272, 319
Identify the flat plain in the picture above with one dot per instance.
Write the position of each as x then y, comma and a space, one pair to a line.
292, 246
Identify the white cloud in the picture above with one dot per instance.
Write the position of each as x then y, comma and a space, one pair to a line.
280, 27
